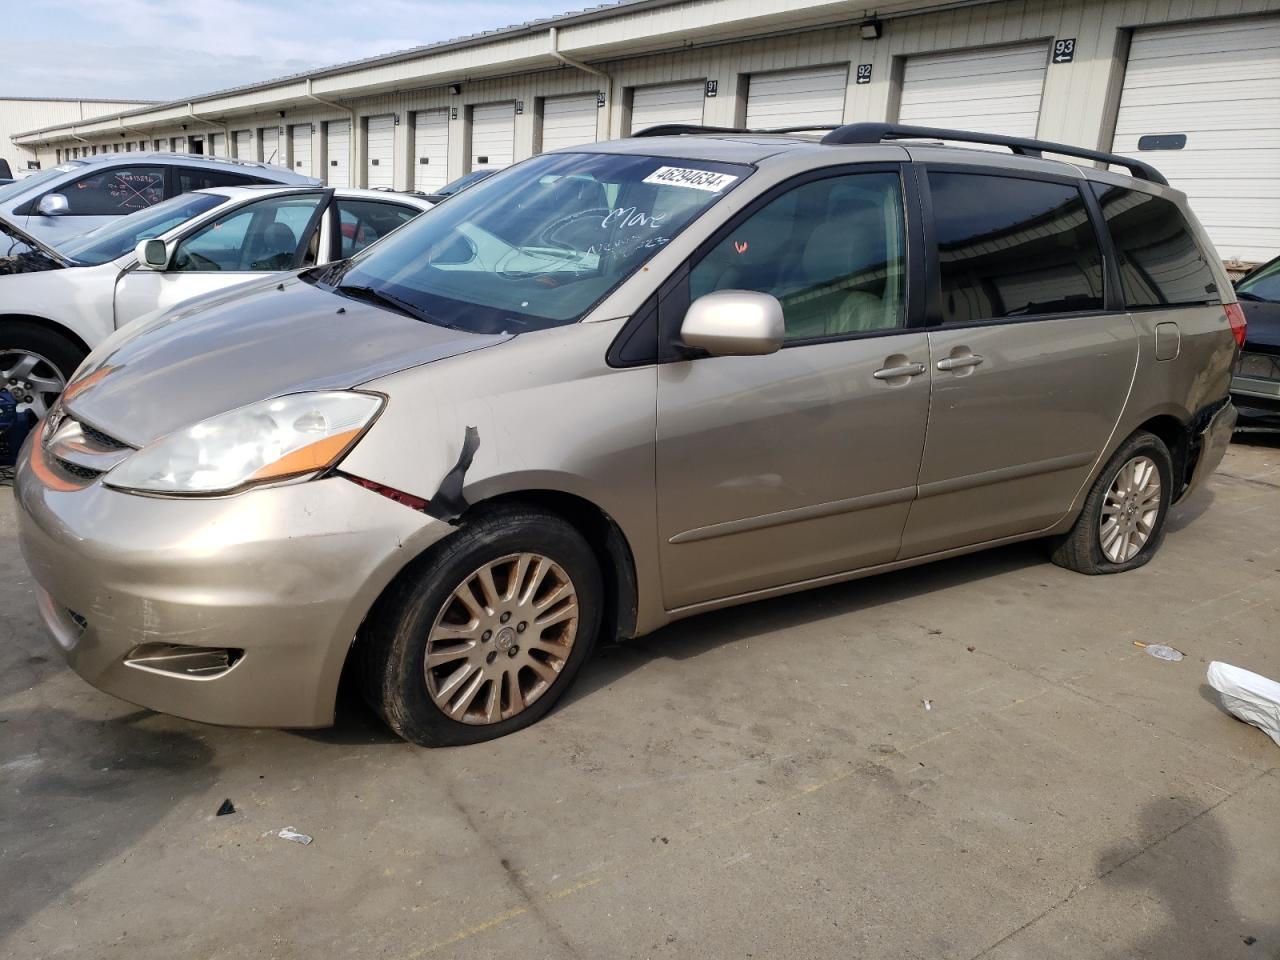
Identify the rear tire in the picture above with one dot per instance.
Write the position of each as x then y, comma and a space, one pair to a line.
508, 609
1121, 524
35, 385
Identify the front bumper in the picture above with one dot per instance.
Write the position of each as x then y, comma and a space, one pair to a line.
284, 574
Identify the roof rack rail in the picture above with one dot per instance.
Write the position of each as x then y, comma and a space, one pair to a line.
1023, 146
676, 129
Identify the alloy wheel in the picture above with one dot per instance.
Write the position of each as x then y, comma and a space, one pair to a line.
501, 639
1130, 510
32, 380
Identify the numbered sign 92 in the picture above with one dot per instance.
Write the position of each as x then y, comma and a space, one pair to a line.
1064, 51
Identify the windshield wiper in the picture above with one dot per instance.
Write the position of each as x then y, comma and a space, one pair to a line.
383, 299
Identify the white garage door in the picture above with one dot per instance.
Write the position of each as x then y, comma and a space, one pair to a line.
996, 90
669, 103
218, 145
493, 136
382, 152
337, 135
568, 121
244, 144
796, 97
430, 150
1219, 85
302, 149
275, 146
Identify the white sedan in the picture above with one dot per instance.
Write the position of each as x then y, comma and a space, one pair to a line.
57, 305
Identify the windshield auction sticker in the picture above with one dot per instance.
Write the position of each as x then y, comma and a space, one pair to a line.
706, 180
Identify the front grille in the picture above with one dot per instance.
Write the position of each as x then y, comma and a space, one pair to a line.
100, 439
1258, 366
77, 471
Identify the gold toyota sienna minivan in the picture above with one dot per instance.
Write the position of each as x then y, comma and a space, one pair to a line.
614, 386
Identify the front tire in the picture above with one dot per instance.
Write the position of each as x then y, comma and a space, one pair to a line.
1121, 524
484, 634
35, 364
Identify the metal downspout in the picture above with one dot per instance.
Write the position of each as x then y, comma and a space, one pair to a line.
351, 136
585, 68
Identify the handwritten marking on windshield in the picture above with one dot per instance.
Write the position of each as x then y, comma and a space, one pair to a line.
631, 217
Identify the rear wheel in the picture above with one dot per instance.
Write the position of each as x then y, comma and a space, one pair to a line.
488, 631
35, 364
1122, 522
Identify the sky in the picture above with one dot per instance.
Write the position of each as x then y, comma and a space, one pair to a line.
166, 50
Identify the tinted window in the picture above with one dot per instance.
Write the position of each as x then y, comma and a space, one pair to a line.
363, 221
121, 235
191, 179
1262, 284
115, 192
262, 236
1160, 260
831, 251
1009, 247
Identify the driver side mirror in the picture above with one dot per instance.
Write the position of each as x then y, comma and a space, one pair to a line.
152, 254
53, 205
734, 323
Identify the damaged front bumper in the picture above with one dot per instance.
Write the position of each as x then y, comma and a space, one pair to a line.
233, 610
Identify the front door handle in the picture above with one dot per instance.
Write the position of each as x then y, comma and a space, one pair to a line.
895, 373
959, 363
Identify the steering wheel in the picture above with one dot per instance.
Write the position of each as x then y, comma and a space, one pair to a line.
548, 236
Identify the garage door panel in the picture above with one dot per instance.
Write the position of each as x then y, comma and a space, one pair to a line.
991, 90
795, 97
302, 150
568, 121
1219, 84
667, 103
337, 173
493, 136
431, 143
381, 152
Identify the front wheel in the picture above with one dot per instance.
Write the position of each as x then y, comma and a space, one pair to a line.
1122, 522
35, 364
486, 633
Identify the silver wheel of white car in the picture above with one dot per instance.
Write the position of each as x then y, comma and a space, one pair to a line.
501, 639
1130, 510
33, 380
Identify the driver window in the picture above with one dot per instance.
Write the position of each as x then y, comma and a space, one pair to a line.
832, 251
262, 237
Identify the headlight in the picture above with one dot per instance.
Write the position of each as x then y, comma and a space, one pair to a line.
286, 437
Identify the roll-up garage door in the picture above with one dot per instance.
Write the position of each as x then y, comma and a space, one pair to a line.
382, 152
430, 150
275, 146
568, 121
669, 103
218, 145
493, 136
302, 148
244, 144
1217, 84
994, 90
338, 153
797, 97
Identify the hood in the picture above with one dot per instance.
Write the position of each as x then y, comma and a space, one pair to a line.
1263, 319
260, 341
20, 252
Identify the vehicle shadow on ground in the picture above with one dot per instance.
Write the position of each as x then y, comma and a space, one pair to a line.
1192, 882
77, 792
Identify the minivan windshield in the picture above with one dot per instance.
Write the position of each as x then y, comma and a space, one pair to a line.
537, 245
119, 237
10, 190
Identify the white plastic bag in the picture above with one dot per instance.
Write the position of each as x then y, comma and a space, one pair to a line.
1249, 696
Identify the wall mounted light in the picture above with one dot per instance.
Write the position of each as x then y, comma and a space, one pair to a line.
455, 88
871, 29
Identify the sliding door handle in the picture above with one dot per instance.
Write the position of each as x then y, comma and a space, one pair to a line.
896, 373
959, 363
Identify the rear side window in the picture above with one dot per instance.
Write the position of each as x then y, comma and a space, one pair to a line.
1161, 262
1009, 247
364, 221
192, 179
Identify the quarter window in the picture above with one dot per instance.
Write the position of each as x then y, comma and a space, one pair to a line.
1009, 247
1161, 263
263, 236
832, 251
114, 192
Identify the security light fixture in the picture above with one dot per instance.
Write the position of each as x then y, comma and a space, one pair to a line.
455, 88
871, 29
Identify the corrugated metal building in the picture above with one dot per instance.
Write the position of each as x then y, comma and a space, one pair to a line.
29, 113
1203, 77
